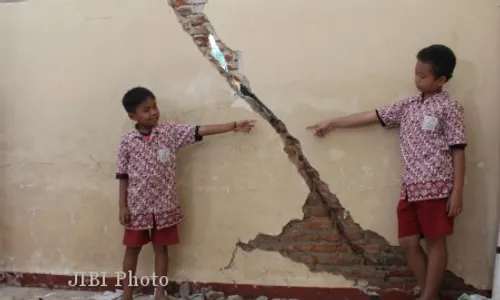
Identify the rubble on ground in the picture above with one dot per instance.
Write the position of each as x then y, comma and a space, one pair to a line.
472, 297
189, 292
186, 292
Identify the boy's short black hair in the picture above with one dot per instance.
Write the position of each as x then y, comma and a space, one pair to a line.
441, 58
134, 97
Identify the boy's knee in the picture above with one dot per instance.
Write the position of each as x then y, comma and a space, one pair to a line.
435, 242
160, 249
410, 243
132, 251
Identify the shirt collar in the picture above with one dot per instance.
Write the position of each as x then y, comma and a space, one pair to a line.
438, 96
138, 134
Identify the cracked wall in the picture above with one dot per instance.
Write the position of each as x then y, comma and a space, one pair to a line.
302, 67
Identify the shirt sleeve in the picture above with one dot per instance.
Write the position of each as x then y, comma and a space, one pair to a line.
122, 160
391, 115
185, 134
454, 127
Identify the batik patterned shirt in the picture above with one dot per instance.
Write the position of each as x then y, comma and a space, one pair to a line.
428, 130
149, 164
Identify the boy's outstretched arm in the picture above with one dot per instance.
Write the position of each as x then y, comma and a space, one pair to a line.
244, 126
357, 119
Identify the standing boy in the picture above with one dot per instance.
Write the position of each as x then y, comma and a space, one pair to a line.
146, 166
432, 142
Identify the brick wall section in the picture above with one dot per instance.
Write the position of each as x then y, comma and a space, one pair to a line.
327, 239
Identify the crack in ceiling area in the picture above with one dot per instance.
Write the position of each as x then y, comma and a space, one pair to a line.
327, 238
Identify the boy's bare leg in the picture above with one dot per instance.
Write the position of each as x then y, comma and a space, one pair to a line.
437, 256
129, 267
415, 257
161, 268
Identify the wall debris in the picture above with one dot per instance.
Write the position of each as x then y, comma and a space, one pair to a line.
327, 239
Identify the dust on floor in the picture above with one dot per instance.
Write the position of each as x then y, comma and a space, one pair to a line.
20, 293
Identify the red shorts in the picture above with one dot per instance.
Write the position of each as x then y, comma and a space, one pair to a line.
427, 218
162, 237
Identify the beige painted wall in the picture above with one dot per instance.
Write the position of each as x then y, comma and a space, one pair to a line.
64, 66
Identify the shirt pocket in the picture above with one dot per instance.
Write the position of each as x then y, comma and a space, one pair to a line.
430, 123
163, 156
432, 129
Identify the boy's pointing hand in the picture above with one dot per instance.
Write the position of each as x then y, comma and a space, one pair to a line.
321, 129
244, 125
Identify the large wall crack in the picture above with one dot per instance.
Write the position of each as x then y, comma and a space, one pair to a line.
326, 239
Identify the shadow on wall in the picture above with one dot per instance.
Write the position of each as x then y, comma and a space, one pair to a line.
464, 88
3, 163
185, 185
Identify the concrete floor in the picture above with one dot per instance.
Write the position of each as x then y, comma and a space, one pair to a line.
19, 293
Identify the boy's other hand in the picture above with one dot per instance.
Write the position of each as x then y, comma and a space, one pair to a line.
455, 203
321, 128
245, 125
124, 216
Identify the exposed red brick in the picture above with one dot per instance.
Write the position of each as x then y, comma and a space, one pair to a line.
323, 187
178, 3
305, 237
322, 247
315, 211
374, 273
316, 223
401, 272
314, 199
345, 248
306, 259
197, 20
348, 271
371, 248
370, 260
342, 259
201, 41
185, 11
353, 233
199, 30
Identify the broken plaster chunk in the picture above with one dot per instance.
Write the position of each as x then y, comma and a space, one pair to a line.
234, 297
195, 2
196, 297
363, 283
472, 297
49, 295
213, 295
262, 298
109, 295
184, 290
